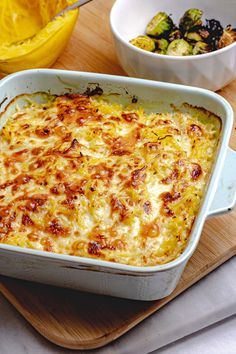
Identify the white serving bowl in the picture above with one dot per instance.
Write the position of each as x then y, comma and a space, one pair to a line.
213, 71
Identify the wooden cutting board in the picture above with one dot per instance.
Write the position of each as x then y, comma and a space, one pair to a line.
84, 321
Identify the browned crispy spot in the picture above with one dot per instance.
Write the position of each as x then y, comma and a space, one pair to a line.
137, 177
42, 133
22, 179
56, 228
196, 171
19, 180
37, 164
163, 122
130, 117
119, 207
26, 220
36, 151
118, 244
101, 171
166, 211
121, 152
6, 219
76, 108
47, 244
147, 207
35, 202
25, 126
19, 153
94, 248
168, 197
172, 177
33, 237
69, 202
194, 130
4, 211
152, 146
76, 187
60, 176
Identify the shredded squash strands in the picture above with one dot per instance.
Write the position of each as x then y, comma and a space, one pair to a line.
28, 37
91, 177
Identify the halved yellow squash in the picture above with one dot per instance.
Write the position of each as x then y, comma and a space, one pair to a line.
28, 37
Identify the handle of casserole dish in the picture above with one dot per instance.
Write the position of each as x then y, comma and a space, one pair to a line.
225, 197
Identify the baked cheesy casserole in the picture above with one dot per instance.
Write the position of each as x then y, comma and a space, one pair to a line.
91, 176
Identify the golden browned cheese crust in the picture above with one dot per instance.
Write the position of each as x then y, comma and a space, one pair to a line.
88, 177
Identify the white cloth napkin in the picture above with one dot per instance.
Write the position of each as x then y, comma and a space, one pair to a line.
216, 339
209, 301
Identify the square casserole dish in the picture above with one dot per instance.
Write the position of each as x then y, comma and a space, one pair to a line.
103, 277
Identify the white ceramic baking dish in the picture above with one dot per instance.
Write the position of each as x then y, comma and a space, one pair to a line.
102, 277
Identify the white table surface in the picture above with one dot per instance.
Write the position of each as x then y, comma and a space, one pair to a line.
210, 304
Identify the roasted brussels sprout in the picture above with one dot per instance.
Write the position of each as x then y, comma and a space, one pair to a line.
175, 34
144, 42
201, 48
161, 45
228, 37
160, 24
179, 47
193, 37
190, 19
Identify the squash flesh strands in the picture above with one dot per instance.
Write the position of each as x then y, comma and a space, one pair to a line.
28, 37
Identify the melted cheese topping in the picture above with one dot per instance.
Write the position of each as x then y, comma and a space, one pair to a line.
87, 177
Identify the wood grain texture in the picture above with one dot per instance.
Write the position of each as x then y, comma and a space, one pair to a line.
83, 321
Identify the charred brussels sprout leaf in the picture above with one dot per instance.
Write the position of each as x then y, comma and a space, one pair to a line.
160, 24
144, 42
201, 48
215, 32
179, 47
190, 19
228, 37
161, 45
